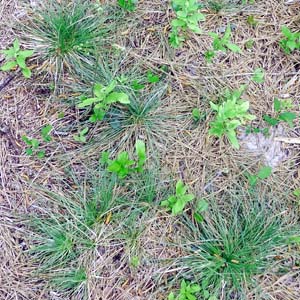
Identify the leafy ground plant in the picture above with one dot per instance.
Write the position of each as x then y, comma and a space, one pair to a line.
176, 203
129, 5
187, 18
16, 57
230, 247
280, 107
230, 114
187, 291
291, 41
221, 44
104, 97
258, 75
34, 144
262, 174
122, 165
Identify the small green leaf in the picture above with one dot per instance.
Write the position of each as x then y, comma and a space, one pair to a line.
9, 65
258, 75
288, 117
21, 62
28, 151
117, 97
264, 172
296, 192
234, 48
202, 205
152, 78
277, 105
270, 120
41, 154
26, 72
196, 114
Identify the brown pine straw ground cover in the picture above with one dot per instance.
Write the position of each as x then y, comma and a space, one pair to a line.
210, 167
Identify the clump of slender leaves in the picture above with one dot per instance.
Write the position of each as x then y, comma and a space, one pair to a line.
229, 248
66, 34
14, 57
230, 114
187, 18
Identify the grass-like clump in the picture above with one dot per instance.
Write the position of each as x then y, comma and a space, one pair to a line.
67, 35
229, 248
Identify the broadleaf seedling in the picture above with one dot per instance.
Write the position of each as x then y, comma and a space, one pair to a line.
188, 291
258, 75
281, 115
123, 165
187, 18
129, 5
222, 44
14, 56
45, 133
104, 97
291, 41
263, 173
81, 136
152, 78
230, 114
33, 147
176, 203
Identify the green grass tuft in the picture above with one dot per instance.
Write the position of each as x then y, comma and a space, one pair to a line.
67, 35
228, 249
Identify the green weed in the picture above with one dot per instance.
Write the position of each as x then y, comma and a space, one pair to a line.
258, 75
262, 174
34, 144
291, 41
129, 5
104, 97
187, 18
221, 44
176, 203
230, 114
14, 56
280, 114
122, 165
187, 291
81, 136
